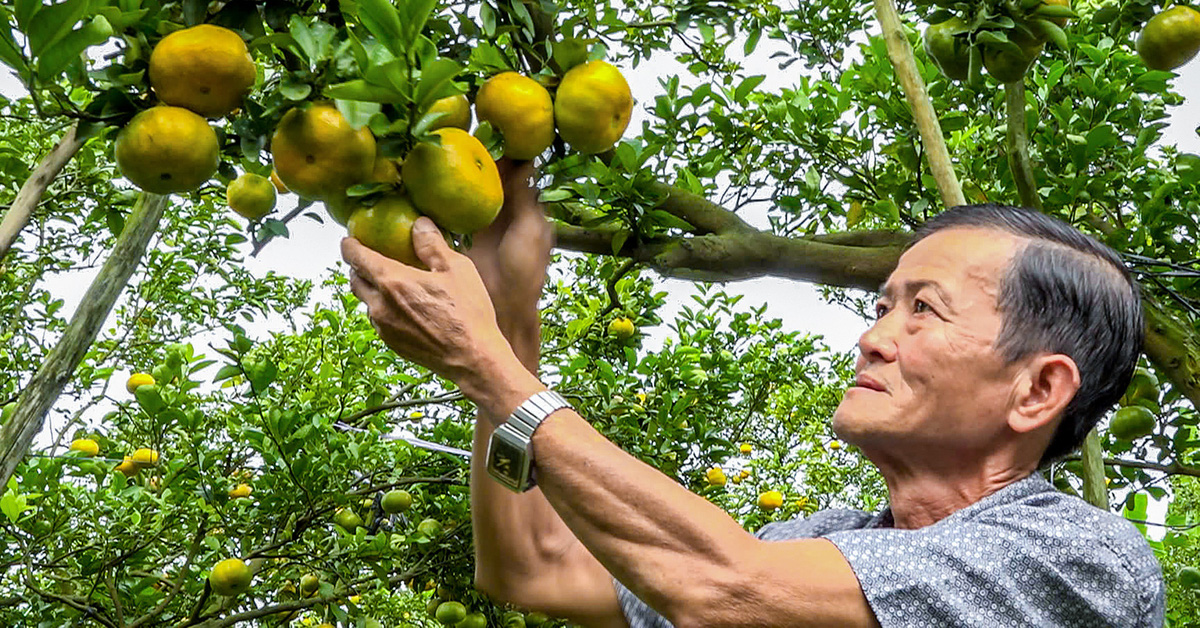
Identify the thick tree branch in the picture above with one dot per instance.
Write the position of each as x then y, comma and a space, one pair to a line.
1017, 135
31, 191
704, 214
901, 54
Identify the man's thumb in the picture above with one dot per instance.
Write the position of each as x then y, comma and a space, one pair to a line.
429, 244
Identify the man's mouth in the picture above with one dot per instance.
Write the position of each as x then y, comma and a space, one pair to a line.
870, 383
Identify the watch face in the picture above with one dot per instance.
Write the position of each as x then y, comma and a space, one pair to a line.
505, 460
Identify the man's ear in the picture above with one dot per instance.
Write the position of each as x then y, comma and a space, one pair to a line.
1048, 383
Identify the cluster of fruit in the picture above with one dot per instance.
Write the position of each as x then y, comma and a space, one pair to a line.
449, 612
1006, 56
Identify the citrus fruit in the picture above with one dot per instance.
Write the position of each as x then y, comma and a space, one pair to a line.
715, 476
1189, 578
770, 500
386, 227
251, 195
347, 519
139, 379
230, 577
521, 109
318, 154
457, 110
1132, 422
430, 527
204, 68
592, 107
1170, 39
835, 445
512, 619
950, 52
278, 183
455, 183
128, 468
621, 329
309, 583
396, 501
533, 620
86, 446
744, 473
746, 448
167, 149
1143, 386
432, 605
1061, 21
450, 613
240, 491
473, 620
1007, 64
145, 458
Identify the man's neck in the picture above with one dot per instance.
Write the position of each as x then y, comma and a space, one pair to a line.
920, 498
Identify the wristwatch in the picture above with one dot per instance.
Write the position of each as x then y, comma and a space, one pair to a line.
510, 451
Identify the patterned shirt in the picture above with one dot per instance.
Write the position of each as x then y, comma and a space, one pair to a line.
1026, 555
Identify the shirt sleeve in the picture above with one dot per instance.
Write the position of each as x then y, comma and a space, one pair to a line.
1015, 568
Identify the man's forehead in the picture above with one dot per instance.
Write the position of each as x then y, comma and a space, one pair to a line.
954, 256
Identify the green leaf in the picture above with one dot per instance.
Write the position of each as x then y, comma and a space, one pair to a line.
150, 399
52, 23
361, 90
380, 17
747, 85
1052, 32
97, 31
418, 14
356, 112
24, 10
437, 81
571, 51
293, 89
10, 53
227, 371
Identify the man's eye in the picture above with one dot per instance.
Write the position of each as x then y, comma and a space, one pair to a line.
881, 310
921, 307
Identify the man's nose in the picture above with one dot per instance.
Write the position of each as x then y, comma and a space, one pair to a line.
878, 343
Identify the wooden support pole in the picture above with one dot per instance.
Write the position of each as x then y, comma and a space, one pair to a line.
31, 191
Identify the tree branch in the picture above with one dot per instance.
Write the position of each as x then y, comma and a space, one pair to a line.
1017, 136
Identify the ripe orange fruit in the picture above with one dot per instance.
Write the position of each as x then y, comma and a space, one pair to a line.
592, 107
386, 227
621, 328
204, 68
167, 149
251, 195
770, 500
86, 446
457, 110
139, 379
715, 477
521, 109
128, 468
240, 491
455, 183
230, 577
746, 448
1170, 39
318, 154
275, 180
145, 458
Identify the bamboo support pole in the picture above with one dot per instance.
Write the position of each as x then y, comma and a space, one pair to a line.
31, 191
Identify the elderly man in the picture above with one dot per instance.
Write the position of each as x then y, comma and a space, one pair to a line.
1000, 339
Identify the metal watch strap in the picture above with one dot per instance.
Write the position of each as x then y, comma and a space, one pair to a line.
530, 414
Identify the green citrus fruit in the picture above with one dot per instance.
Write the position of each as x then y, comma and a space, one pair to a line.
473, 620
230, 577
535, 619
1170, 39
450, 613
167, 149
621, 329
1132, 422
251, 195
347, 519
386, 227
948, 50
1007, 64
430, 527
309, 583
396, 501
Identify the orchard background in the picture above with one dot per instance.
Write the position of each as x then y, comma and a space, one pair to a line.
768, 140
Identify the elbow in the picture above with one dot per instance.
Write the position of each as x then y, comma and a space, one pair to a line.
500, 589
720, 600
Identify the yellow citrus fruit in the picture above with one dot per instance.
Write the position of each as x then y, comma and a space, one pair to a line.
744, 473
384, 170
240, 491
145, 457
204, 68
318, 154
521, 109
278, 183
251, 195
715, 476
309, 583
386, 227
457, 110
396, 501
835, 445
770, 500
455, 183
128, 467
86, 446
1170, 39
592, 107
746, 448
621, 328
167, 149
230, 577
139, 379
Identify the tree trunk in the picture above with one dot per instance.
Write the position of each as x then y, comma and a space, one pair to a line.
47, 384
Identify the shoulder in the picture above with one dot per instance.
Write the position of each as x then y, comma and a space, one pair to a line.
818, 524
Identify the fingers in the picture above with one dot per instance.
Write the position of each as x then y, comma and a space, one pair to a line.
430, 246
367, 264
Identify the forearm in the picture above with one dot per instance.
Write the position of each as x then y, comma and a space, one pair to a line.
514, 532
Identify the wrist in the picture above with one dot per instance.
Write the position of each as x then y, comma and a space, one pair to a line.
500, 384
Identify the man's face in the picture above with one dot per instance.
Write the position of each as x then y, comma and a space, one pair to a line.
929, 375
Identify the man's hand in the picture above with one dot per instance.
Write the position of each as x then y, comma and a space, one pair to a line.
441, 318
511, 254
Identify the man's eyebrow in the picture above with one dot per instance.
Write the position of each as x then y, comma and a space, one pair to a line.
912, 286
